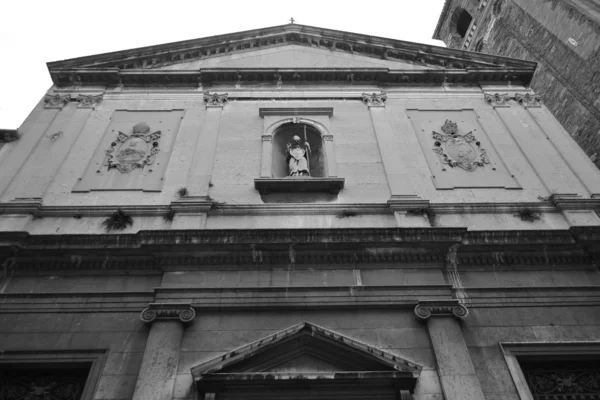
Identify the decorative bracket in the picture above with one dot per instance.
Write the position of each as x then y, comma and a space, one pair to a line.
528, 100
215, 99
497, 99
440, 308
88, 101
168, 312
374, 99
56, 100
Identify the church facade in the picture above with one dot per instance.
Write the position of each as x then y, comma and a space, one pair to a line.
561, 36
297, 213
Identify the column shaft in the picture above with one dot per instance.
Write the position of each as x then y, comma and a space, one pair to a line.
455, 367
157, 375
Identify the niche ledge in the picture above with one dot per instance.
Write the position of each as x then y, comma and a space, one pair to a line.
299, 184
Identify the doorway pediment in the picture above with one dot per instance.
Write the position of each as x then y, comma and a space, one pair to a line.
303, 360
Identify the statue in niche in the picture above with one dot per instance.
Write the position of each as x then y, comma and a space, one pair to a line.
298, 157
135, 150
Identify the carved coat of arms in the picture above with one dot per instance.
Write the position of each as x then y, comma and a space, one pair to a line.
454, 149
134, 150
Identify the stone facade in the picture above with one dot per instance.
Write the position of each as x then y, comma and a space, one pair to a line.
447, 233
561, 36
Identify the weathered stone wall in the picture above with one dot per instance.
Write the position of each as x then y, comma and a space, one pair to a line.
563, 38
217, 154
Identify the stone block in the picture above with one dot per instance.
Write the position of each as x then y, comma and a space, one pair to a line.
461, 387
428, 383
184, 387
107, 322
123, 363
115, 387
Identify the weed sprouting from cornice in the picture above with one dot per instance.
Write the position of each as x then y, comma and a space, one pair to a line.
527, 215
118, 221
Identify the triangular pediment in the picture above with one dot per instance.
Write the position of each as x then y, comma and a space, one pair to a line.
306, 349
297, 52
294, 56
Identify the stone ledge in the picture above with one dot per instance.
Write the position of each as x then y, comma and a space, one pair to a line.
295, 111
301, 184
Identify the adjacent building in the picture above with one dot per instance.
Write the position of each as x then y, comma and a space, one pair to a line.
563, 37
297, 213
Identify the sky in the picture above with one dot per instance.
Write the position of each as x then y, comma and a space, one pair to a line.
34, 32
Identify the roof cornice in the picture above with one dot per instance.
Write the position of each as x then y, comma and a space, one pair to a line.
153, 57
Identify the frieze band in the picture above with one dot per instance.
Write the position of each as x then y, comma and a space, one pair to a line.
426, 309
171, 311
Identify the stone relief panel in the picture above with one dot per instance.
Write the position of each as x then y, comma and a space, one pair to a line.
133, 153
458, 151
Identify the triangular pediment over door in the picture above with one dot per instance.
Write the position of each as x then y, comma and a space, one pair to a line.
306, 361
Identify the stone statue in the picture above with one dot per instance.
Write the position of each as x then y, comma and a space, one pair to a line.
298, 157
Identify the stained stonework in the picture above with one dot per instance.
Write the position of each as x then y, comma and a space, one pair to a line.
561, 36
428, 224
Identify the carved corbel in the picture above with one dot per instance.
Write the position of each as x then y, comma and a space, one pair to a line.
215, 99
528, 100
497, 99
443, 308
88, 101
168, 312
267, 138
374, 99
328, 138
56, 100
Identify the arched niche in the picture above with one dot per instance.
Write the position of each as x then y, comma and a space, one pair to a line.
283, 135
280, 125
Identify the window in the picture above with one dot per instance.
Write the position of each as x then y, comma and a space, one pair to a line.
54, 375
460, 22
562, 378
560, 371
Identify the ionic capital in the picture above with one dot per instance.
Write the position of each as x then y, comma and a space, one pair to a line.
168, 312
215, 99
440, 308
374, 99
528, 100
56, 100
497, 99
88, 101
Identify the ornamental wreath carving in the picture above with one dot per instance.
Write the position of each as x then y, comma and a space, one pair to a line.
135, 150
454, 149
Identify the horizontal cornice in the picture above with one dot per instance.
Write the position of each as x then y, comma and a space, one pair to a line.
67, 77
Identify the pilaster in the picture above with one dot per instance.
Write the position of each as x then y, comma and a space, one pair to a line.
397, 174
33, 129
158, 371
545, 160
204, 155
455, 368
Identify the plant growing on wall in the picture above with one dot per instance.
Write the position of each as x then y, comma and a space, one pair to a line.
182, 192
528, 215
169, 215
118, 221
